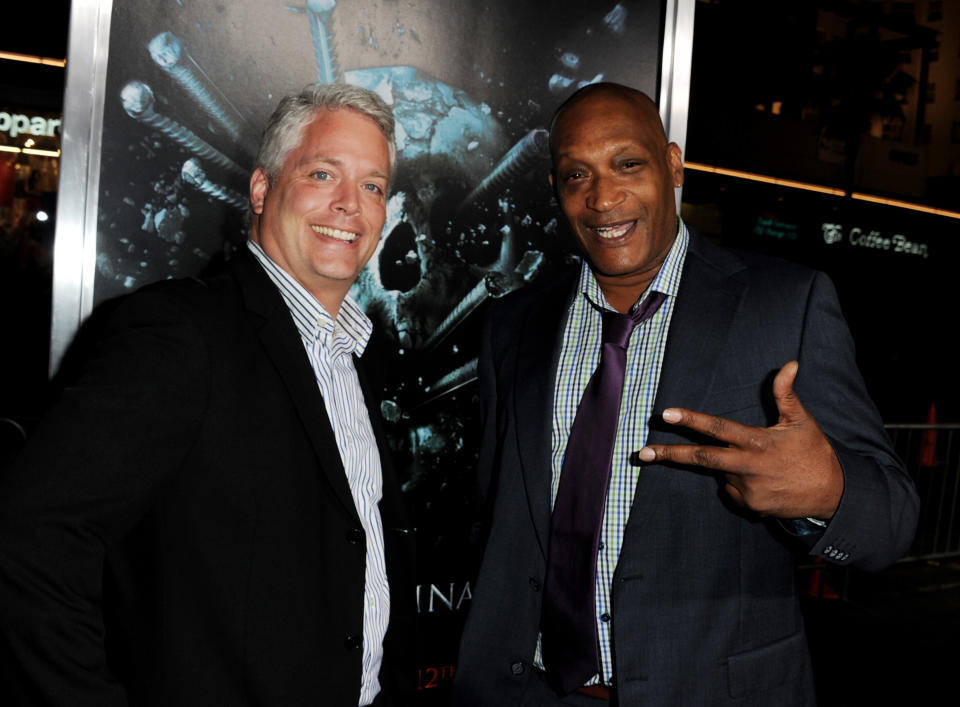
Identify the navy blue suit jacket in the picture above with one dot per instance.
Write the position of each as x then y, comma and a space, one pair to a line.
705, 608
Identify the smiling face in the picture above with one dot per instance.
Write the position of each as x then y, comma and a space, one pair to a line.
614, 174
321, 218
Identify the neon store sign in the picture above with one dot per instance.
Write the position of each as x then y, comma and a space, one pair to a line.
16, 124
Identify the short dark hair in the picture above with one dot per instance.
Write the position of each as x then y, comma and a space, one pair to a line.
609, 87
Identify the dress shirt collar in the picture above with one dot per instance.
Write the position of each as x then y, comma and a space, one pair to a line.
311, 318
666, 281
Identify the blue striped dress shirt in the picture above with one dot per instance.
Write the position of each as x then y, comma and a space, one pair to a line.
579, 357
330, 345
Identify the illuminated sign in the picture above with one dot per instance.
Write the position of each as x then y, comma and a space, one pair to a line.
775, 228
20, 124
860, 238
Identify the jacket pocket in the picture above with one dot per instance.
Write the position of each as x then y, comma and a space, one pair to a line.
768, 667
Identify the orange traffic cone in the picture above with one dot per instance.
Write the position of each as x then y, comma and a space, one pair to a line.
928, 446
818, 587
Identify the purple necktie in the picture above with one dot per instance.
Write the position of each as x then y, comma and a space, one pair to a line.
568, 625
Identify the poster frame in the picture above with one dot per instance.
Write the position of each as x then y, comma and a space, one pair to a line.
75, 245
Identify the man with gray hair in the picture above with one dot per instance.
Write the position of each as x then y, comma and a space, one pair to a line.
208, 515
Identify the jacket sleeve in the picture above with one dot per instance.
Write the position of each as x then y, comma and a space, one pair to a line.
877, 516
84, 479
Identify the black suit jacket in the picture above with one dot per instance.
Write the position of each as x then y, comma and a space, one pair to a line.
705, 608
180, 531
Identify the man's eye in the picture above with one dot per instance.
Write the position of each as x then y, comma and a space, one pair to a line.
570, 176
321, 175
375, 188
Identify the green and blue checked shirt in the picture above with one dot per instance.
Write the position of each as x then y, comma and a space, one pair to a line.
579, 358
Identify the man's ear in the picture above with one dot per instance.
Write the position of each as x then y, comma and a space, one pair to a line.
551, 177
259, 186
675, 163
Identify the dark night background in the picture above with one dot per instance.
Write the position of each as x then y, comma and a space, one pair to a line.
826, 92
747, 53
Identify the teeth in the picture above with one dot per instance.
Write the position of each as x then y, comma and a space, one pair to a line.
612, 231
345, 236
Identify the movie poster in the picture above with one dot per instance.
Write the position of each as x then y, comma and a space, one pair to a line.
473, 85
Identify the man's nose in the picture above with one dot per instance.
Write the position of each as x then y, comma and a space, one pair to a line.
604, 194
346, 199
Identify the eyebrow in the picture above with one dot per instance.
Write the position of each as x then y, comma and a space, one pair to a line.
335, 162
613, 150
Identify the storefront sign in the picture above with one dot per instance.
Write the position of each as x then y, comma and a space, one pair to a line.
19, 124
775, 228
861, 238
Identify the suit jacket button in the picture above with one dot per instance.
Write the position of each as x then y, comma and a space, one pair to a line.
352, 642
354, 535
534, 584
517, 668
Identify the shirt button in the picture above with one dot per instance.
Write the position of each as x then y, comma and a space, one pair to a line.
534, 584
352, 642
605, 617
517, 668
602, 545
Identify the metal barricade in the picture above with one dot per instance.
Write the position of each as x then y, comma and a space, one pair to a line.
932, 455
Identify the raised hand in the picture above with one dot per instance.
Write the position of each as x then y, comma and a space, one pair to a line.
787, 471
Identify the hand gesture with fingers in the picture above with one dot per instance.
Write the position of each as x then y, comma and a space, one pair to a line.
787, 471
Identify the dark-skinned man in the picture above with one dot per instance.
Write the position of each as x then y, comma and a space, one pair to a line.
641, 542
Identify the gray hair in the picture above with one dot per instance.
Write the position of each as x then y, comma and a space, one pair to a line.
295, 112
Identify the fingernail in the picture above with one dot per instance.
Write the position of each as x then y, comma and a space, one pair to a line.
671, 415
647, 455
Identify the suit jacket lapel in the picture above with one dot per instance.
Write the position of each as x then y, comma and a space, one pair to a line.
280, 339
538, 353
392, 509
707, 301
